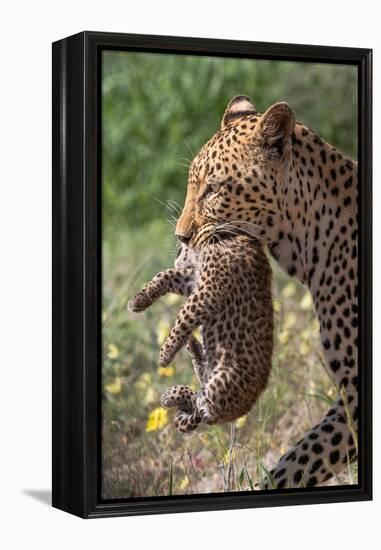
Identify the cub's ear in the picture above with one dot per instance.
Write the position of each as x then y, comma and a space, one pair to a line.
239, 106
277, 125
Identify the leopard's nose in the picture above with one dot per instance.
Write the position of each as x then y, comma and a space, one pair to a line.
183, 239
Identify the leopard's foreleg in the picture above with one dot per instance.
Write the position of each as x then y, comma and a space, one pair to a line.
324, 452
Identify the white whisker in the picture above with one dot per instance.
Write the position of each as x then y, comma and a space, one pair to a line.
186, 160
173, 210
175, 205
189, 148
184, 165
168, 206
237, 224
220, 241
237, 233
241, 221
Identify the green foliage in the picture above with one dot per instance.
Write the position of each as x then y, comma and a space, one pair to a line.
157, 112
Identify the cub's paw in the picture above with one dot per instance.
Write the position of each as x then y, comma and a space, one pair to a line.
139, 302
178, 396
186, 422
166, 356
169, 349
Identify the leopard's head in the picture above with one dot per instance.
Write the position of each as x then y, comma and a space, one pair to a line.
234, 181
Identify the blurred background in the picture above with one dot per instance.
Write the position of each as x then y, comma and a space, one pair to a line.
157, 112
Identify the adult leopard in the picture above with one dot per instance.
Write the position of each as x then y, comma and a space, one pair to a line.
271, 175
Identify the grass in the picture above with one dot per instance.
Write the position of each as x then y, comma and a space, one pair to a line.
143, 455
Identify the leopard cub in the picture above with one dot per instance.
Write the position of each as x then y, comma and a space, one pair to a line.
228, 288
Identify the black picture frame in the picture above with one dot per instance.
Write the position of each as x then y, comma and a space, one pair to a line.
77, 273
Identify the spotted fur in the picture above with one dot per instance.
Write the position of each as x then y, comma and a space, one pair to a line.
272, 176
228, 286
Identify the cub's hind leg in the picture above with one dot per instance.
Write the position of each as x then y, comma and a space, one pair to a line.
207, 410
199, 361
180, 396
187, 417
226, 395
186, 422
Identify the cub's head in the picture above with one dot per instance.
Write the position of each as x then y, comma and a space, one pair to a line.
234, 181
186, 257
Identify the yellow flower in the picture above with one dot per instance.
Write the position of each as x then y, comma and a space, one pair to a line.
315, 326
277, 306
306, 302
172, 299
289, 321
229, 456
143, 381
115, 386
204, 438
166, 371
283, 337
183, 483
113, 351
157, 419
289, 290
304, 348
241, 421
162, 331
150, 396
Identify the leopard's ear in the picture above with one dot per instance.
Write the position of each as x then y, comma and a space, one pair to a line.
277, 125
239, 106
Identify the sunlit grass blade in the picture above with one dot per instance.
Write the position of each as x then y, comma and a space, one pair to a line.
301, 482
331, 471
349, 466
349, 416
268, 474
154, 488
241, 478
322, 396
251, 484
170, 489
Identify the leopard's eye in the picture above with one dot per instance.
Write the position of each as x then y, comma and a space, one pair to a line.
215, 186
210, 189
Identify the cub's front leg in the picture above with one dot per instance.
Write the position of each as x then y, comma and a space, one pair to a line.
204, 303
178, 281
